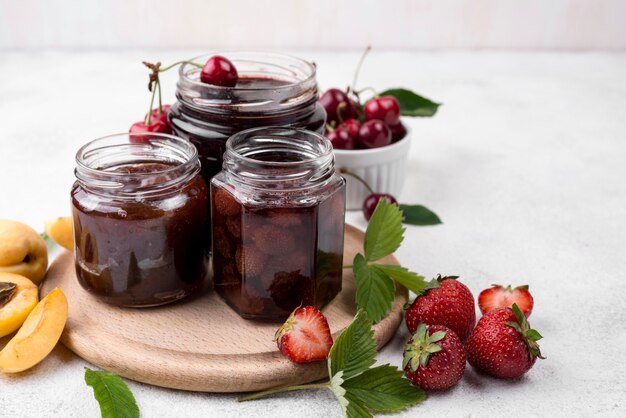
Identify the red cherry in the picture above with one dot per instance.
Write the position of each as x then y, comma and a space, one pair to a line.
341, 139
372, 200
154, 127
385, 108
397, 132
219, 71
332, 99
352, 126
162, 115
374, 134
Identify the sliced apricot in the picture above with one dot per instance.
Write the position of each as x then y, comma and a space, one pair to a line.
38, 336
22, 251
20, 302
60, 231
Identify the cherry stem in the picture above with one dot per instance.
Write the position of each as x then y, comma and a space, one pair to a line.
339, 108
358, 67
358, 178
282, 389
149, 115
368, 89
160, 101
195, 64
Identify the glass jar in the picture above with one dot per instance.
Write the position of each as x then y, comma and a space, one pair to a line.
278, 222
273, 90
140, 217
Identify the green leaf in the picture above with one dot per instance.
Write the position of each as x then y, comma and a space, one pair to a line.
115, 398
412, 104
374, 289
406, 278
533, 335
354, 350
355, 407
419, 215
384, 231
340, 393
383, 389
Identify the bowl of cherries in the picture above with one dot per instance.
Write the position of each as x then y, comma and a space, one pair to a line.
371, 139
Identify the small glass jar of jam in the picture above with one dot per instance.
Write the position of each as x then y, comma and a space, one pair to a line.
273, 90
278, 211
140, 217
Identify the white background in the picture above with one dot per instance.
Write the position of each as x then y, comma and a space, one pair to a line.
525, 163
328, 24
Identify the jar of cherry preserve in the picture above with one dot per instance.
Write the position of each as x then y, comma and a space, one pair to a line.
272, 90
278, 212
140, 217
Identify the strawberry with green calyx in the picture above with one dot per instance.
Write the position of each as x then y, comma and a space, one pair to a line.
446, 302
499, 296
434, 358
503, 344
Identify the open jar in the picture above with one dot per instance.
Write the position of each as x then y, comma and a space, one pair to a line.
140, 218
278, 211
273, 90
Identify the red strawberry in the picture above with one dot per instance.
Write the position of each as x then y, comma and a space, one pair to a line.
434, 357
305, 336
504, 297
450, 304
503, 344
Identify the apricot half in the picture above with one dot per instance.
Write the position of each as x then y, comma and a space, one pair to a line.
22, 251
38, 336
13, 312
60, 230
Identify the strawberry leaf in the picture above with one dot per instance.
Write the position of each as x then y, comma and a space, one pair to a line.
374, 289
406, 278
113, 395
354, 349
384, 232
383, 389
419, 215
412, 104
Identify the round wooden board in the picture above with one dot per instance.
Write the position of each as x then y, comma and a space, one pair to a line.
200, 344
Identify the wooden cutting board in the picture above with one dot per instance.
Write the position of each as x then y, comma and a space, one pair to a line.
199, 344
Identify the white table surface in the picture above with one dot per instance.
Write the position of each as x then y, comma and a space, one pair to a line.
525, 163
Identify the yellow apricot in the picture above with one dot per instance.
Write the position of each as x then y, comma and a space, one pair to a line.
60, 230
38, 336
14, 312
22, 251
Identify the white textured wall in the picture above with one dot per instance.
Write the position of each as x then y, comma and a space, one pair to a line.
525, 24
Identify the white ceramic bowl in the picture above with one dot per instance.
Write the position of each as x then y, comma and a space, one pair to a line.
382, 168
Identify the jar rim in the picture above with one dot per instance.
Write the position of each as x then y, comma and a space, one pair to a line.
183, 70
149, 136
326, 149
95, 159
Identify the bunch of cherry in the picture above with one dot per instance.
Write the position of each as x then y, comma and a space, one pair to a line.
217, 71
352, 126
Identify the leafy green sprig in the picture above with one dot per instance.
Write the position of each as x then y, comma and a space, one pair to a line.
113, 395
360, 388
375, 283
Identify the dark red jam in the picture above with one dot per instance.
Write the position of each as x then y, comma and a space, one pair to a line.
278, 212
142, 244
269, 260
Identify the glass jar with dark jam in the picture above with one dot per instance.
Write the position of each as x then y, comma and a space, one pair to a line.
272, 90
140, 218
278, 212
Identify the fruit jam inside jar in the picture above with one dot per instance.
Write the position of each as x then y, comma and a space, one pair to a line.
272, 90
140, 219
278, 222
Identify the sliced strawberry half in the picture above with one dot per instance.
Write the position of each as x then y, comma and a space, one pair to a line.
499, 296
305, 336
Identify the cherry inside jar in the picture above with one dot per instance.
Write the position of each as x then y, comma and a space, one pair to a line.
278, 212
140, 219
